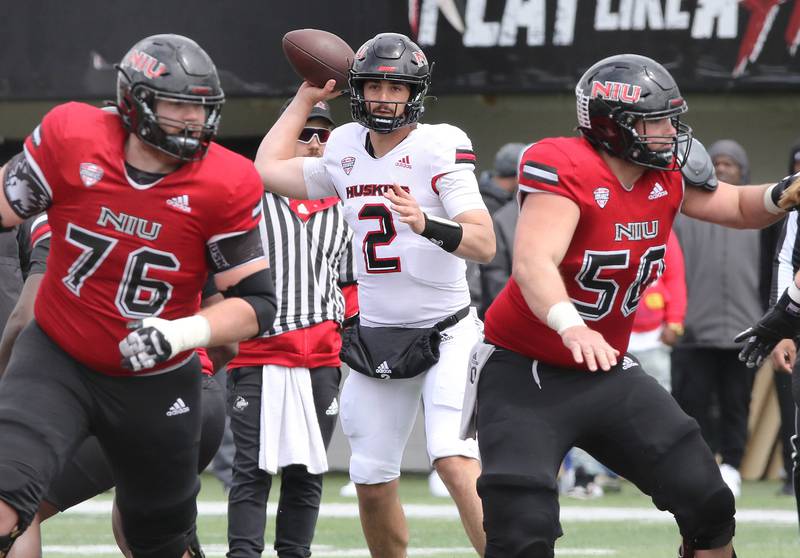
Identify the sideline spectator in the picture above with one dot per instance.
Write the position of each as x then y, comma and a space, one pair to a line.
497, 188
722, 286
495, 274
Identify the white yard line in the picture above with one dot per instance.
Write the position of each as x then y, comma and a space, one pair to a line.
319, 552
439, 511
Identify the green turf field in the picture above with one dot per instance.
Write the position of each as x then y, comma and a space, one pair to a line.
622, 525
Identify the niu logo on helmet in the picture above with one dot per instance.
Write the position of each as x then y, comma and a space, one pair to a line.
143, 62
616, 91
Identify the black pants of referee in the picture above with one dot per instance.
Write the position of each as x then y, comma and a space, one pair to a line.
50, 403
794, 441
530, 414
697, 373
301, 491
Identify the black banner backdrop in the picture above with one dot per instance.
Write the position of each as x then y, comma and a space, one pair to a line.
66, 49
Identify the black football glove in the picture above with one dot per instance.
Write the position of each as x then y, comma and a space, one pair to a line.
782, 321
145, 347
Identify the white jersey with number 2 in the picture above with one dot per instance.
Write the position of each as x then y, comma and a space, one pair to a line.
403, 278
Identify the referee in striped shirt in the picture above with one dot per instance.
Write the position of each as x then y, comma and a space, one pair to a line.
785, 267
309, 247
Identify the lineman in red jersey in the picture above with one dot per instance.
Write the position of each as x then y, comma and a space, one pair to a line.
88, 473
595, 215
140, 202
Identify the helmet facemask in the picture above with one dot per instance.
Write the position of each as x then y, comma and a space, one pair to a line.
362, 111
652, 150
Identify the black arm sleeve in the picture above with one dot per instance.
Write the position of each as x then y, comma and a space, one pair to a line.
210, 288
227, 252
24, 248
258, 291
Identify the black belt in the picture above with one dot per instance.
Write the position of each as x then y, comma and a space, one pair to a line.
450, 321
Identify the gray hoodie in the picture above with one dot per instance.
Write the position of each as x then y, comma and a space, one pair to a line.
722, 272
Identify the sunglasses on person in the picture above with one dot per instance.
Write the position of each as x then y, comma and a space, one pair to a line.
308, 134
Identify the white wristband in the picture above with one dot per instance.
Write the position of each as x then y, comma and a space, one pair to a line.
793, 292
563, 315
182, 334
769, 205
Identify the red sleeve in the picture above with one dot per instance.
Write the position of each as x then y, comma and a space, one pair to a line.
674, 281
43, 146
242, 210
544, 167
350, 293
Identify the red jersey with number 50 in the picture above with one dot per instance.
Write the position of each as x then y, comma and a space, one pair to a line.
616, 251
121, 251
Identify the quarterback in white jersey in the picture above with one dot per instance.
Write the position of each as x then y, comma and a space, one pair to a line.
435, 164
411, 198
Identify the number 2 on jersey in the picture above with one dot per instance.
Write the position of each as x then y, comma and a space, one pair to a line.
383, 236
138, 295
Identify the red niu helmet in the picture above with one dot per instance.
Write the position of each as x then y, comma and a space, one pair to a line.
390, 57
176, 69
616, 93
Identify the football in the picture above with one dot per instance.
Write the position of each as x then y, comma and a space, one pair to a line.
318, 56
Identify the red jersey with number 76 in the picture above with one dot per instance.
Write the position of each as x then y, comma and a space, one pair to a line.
121, 251
616, 251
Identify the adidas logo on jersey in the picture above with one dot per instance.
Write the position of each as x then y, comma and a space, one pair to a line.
628, 362
178, 408
404, 162
658, 191
180, 202
333, 408
383, 370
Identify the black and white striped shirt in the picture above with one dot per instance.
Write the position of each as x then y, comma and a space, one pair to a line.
310, 261
787, 258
